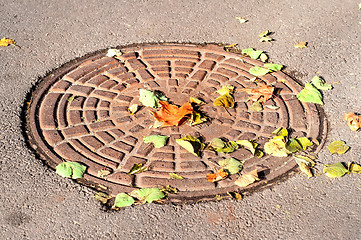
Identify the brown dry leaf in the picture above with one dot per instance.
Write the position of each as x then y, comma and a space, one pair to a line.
261, 94
172, 115
353, 121
248, 178
219, 175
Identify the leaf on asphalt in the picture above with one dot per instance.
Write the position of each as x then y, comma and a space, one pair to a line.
172, 115
114, 53
191, 144
320, 84
133, 109
258, 71
102, 197
254, 54
304, 142
301, 45
263, 57
103, 173
272, 107
292, 145
148, 194
219, 175
123, 200
305, 168
338, 147
4, 42
256, 107
248, 178
72, 170
273, 66
219, 145
150, 98
157, 140
196, 101
137, 168
175, 176
263, 34
197, 118
354, 168
241, 19
310, 94
335, 170
265, 39
235, 195
353, 121
261, 94
232, 165
250, 145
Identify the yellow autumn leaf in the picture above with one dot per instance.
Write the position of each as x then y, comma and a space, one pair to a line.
306, 169
301, 45
6, 42
248, 178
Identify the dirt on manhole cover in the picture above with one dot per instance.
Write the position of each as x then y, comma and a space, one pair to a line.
79, 113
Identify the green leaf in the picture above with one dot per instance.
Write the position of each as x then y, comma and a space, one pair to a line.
247, 51
219, 145
255, 54
292, 145
232, 165
70, 99
310, 94
123, 200
273, 66
150, 99
249, 145
157, 140
304, 142
258, 71
102, 197
335, 170
175, 176
137, 168
72, 170
320, 83
281, 132
191, 144
225, 100
338, 147
256, 107
263, 57
148, 194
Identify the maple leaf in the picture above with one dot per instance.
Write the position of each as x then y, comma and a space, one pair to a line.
261, 94
172, 115
219, 175
353, 121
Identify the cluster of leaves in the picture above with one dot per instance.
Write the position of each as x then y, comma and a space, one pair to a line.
264, 36
143, 195
255, 54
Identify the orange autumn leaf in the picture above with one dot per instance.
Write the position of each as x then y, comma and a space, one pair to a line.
219, 175
353, 121
172, 115
261, 94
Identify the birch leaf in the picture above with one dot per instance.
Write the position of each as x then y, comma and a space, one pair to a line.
258, 71
263, 34
241, 19
72, 170
157, 140
225, 100
306, 169
150, 98
338, 147
191, 144
319, 83
273, 66
232, 165
148, 194
304, 142
123, 200
251, 146
310, 94
335, 170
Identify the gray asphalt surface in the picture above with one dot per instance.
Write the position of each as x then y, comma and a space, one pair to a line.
36, 203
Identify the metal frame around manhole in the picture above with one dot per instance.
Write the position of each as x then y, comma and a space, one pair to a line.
95, 128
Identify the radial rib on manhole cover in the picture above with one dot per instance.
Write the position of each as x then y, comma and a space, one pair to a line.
80, 113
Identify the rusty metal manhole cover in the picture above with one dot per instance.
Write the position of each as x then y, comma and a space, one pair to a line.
96, 129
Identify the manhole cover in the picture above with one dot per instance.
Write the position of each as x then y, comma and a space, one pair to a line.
95, 128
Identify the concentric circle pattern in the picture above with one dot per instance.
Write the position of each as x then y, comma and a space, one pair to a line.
80, 113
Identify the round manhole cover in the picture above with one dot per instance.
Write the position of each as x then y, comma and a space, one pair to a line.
80, 113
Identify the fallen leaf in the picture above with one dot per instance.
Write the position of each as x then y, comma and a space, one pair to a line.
172, 115
103, 173
273, 66
232, 165
319, 83
306, 169
169, 189
335, 170
272, 107
148, 194
133, 109
301, 45
191, 144
256, 107
258, 153
235, 195
248, 178
157, 140
263, 34
338, 147
354, 168
304, 142
4, 42
225, 100
241, 19
196, 101
292, 145
261, 94
70, 99
265, 39
359, 6
353, 121
258, 71
219, 175
308, 161
263, 57
123, 200
227, 89
231, 45
249, 145
150, 99
281, 132
197, 118
310, 94
137, 168
114, 53
72, 170
254, 54
175, 176
102, 197
219, 145
275, 149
